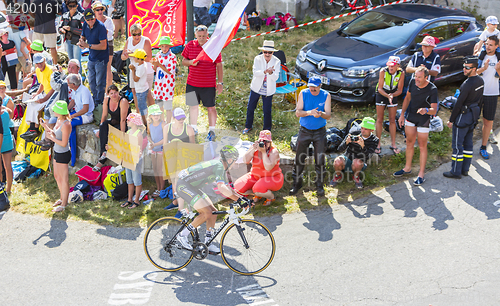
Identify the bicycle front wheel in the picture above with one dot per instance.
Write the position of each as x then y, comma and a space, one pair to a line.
247, 249
161, 247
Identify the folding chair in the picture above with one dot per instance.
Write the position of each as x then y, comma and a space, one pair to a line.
283, 85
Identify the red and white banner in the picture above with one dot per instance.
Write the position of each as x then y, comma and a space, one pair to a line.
159, 18
227, 26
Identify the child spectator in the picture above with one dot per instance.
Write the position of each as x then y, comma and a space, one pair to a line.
164, 65
138, 72
134, 179
491, 30
156, 145
178, 130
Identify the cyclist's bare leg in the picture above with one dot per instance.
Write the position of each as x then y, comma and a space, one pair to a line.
205, 208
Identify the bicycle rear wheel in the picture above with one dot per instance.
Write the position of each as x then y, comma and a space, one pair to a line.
330, 9
259, 254
161, 247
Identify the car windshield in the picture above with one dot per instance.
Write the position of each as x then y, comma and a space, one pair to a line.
381, 29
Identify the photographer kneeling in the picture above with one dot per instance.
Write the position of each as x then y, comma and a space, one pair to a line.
265, 176
359, 150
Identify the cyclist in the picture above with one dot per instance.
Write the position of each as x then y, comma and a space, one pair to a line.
189, 184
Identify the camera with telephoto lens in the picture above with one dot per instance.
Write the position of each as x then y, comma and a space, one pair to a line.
262, 144
354, 137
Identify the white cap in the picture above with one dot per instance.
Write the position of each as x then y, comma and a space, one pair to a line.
492, 20
179, 113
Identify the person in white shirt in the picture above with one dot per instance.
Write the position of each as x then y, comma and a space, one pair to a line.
266, 69
83, 104
489, 70
138, 72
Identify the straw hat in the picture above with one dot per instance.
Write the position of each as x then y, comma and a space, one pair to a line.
268, 46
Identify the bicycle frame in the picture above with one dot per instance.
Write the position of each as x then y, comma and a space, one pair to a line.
231, 218
351, 6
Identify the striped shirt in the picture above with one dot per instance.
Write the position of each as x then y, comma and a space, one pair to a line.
203, 74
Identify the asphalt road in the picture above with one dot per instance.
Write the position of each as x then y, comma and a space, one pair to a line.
404, 245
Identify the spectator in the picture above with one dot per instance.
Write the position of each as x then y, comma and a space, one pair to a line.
155, 138
491, 30
138, 73
489, 70
464, 118
43, 73
135, 42
265, 175
9, 58
177, 130
7, 144
71, 27
61, 92
313, 108
164, 65
99, 9
45, 15
62, 153
358, 150
266, 69
117, 16
427, 57
389, 88
37, 47
200, 10
118, 108
65, 7
419, 104
94, 37
86, 4
201, 83
21, 42
83, 105
134, 179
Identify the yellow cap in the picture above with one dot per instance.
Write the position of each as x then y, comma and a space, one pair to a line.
139, 53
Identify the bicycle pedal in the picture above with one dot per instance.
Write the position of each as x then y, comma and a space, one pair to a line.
213, 253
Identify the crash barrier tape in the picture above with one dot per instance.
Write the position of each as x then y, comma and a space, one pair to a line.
335, 17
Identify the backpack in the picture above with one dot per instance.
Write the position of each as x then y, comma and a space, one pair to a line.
353, 126
215, 11
120, 192
126, 93
255, 23
4, 199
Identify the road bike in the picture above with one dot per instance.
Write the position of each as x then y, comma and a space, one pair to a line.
336, 7
247, 247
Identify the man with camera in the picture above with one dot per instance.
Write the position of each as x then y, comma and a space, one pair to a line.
313, 108
464, 118
360, 148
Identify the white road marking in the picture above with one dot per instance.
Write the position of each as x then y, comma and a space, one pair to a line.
255, 295
127, 293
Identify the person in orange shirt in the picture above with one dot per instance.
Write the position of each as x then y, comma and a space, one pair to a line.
266, 175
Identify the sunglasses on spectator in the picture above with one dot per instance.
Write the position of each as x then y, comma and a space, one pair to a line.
72, 6
99, 9
136, 34
467, 67
267, 52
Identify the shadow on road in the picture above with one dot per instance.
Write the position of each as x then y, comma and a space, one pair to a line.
129, 233
321, 221
56, 233
227, 288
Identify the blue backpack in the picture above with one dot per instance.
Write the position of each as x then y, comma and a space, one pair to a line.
215, 11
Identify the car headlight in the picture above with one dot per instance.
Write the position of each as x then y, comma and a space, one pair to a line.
302, 56
359, 72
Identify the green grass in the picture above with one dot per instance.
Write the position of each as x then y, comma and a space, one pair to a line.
36, 196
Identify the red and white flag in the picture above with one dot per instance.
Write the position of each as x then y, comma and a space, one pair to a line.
227, 26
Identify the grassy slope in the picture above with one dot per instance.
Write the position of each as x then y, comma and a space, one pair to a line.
36, 196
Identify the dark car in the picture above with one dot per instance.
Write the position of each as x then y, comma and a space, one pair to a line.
348, 60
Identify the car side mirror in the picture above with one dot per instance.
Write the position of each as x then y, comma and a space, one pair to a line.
344, 24
413, 49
